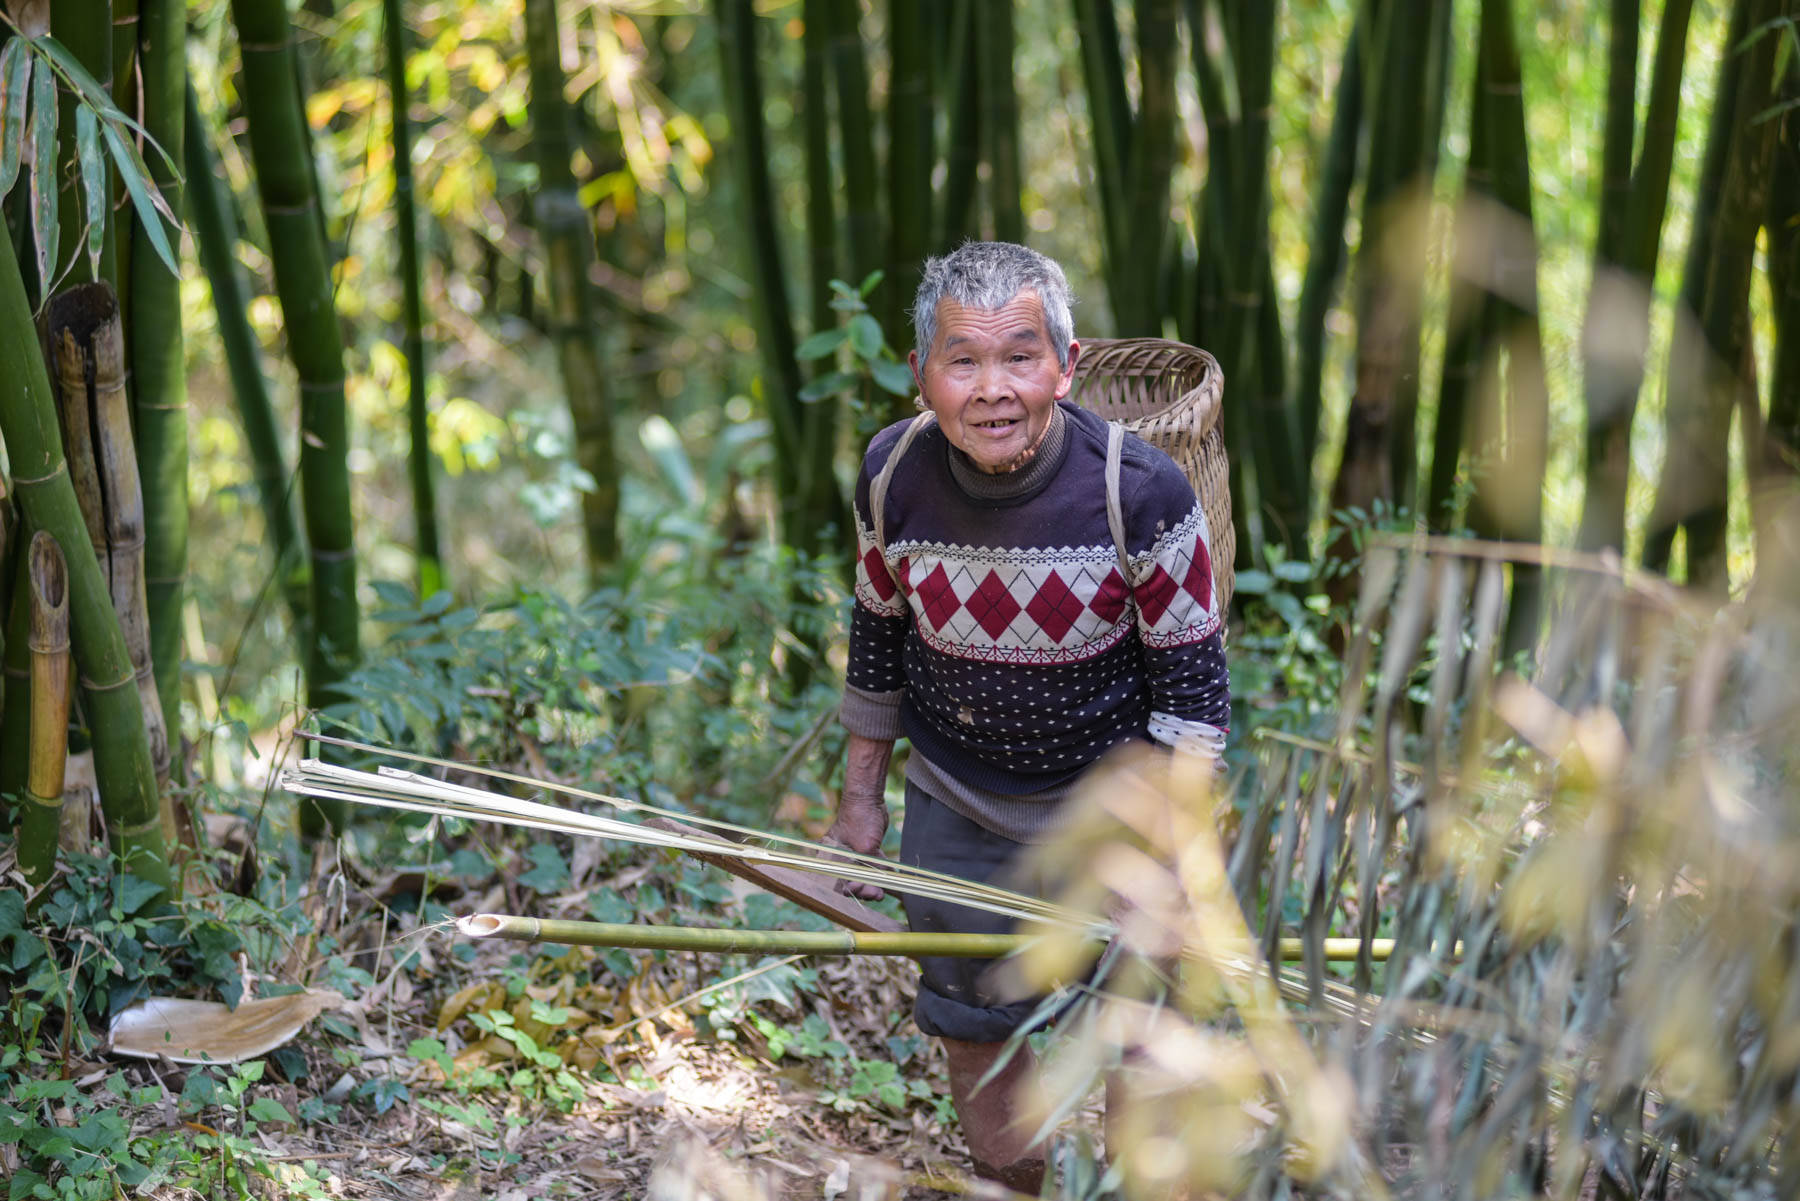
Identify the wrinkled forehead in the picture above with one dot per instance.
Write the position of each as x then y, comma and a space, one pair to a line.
1021, 318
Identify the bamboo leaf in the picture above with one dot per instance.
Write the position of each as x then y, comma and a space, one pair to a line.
149, 205
93, 95
93, 182
44, 228
15, 85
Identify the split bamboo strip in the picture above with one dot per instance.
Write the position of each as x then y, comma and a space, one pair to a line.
158, 361
395, 789
40, 819
87, 345
906, 944
127, 776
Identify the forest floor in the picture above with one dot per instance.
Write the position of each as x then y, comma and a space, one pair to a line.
409, 1091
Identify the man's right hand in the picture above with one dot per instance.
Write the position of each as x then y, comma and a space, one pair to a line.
859, 826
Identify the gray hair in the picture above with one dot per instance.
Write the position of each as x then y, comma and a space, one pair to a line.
986, 275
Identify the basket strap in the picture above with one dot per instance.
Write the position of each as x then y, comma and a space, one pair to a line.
1115, 509
878, 488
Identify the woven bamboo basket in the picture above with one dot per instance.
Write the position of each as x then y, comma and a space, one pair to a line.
1172, 396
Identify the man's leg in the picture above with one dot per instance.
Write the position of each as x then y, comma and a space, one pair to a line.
999, 1136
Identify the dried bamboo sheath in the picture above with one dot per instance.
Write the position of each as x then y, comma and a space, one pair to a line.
87, 357
41, 818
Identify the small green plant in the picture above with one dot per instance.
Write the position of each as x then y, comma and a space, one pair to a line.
871, 358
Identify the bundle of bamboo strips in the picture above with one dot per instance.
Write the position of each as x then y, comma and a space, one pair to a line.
395, 789
41, 818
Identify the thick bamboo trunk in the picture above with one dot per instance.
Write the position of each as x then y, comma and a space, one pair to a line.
303, 282
1325, 256
862, 212
126, 91
1380, 458
40, 820
428, 555
774, 322
1109, 122
568, 242
962, 148
1144, 236
1707, 372
1509, 499
87, 360
215, 237
158, 361
999, 99
1617, 332
110, 698
819, 501
911, 155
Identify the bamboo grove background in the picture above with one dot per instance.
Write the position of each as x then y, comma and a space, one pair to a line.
319, 320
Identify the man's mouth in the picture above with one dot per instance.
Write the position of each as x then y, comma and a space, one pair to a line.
998, 423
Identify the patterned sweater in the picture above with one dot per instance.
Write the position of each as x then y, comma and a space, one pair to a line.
999, 636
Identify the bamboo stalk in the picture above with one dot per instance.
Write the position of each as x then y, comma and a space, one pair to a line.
1109, 124
999, 100
962, 147
906, 944
158, 361
40, 821
427, 553
15, 679
88, 359
1325, 256
278, 140
568, 241
215, 237
114, 708
910, 116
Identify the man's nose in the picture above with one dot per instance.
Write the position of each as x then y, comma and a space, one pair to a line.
991, 382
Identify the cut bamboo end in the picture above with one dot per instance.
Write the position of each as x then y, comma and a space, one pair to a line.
48, 600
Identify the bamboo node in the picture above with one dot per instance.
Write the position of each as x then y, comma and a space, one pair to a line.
45, 802
61, 468
136, 828
130, 679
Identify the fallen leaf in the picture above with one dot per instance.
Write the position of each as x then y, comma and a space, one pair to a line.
206, 1032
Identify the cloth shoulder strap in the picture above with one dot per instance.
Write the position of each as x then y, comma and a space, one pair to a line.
878, 488
1115, 509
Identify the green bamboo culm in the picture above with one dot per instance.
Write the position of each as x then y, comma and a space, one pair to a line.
125, 95
995, 39
303, 283
428, 555
215, 237
158, 363
906, 944
40, 817
567, 235
122, 762
15, 679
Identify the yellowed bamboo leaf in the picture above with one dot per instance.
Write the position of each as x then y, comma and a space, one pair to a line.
207, 1032
463, 999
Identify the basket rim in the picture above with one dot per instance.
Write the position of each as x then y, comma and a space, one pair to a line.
1207, 391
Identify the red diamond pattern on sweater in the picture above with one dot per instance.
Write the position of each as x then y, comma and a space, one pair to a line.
992, 605
938, 601
1111, 597
1054, 607
1198, 581
877, 570
1155, 595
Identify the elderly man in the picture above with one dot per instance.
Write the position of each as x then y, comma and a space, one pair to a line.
1011, 627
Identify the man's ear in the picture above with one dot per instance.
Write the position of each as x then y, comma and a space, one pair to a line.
912, 360
1068, 375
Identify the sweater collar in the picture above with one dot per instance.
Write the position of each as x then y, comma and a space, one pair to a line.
1012, 485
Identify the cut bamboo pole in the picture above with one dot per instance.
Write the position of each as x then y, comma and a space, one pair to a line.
127, 778
40, 820
87, 357
904, 943
15, 683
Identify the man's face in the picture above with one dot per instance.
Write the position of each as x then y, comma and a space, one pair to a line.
993, 380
